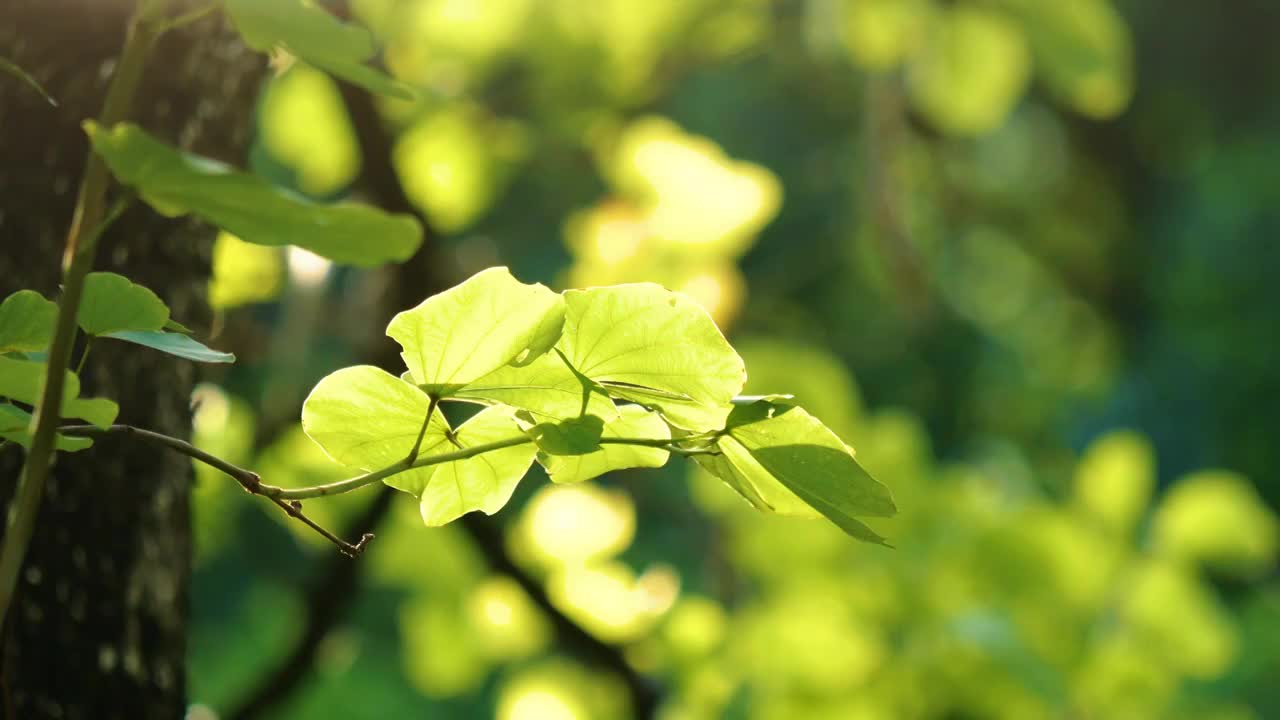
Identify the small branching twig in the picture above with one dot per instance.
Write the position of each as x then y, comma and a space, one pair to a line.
289, 499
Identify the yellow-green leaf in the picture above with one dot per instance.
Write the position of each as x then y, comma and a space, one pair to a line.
26, 322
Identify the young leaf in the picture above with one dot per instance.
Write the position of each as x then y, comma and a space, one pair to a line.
774, 451
546, 387
23, 380
484, 482
15, 426
634, 422
177, 183
642, 338
366, 418
113, 303
175, 344
575, 436
315, 36
26, 322
461, 335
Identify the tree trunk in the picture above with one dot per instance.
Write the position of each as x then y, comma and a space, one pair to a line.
98, 625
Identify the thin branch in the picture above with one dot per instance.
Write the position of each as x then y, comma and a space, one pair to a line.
248, 479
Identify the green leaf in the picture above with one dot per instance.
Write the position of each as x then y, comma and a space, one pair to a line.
641, 338
366, 418
679, 410
484, 482
316, 36
634, 422
13, 69
177, 183
575, 436
27, 320
23, 380
775, 454
112, 303
546, 387
175, 344
462, 334
15, 425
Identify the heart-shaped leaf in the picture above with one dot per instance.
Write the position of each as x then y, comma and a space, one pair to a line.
642, 338
461, 335
26, 322
484, 482
366, 418
176, 183
781, 458
575, 436
546, 387
113, 303
634, 422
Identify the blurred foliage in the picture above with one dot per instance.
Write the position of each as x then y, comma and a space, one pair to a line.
1016, 252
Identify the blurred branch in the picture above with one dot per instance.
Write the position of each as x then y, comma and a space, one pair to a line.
327, 601
884, 126
645, 694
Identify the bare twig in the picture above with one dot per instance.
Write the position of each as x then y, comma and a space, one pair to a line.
248, 479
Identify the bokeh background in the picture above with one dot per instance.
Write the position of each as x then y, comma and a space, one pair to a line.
1021, 254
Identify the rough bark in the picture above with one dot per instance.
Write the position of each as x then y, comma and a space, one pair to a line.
99, 623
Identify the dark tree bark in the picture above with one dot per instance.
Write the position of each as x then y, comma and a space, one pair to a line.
98, 625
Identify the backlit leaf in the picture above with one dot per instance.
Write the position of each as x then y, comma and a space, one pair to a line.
575, 436
774, 452
366, 418
112, 303
646, 337
484, 482
176, 183
175, 343
546, 387
462, 334
26, 322
635, 422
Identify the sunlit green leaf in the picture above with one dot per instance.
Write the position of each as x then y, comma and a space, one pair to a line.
112, 303
176, 183
175, 344
316, 36
26, 322
679, 410
973, 66
1084, 53
23, 380
546, 387
575, 436
1217, 518
644, 336
464, 333
775, 451
365, 418
484, 482
15, 426
635, 422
